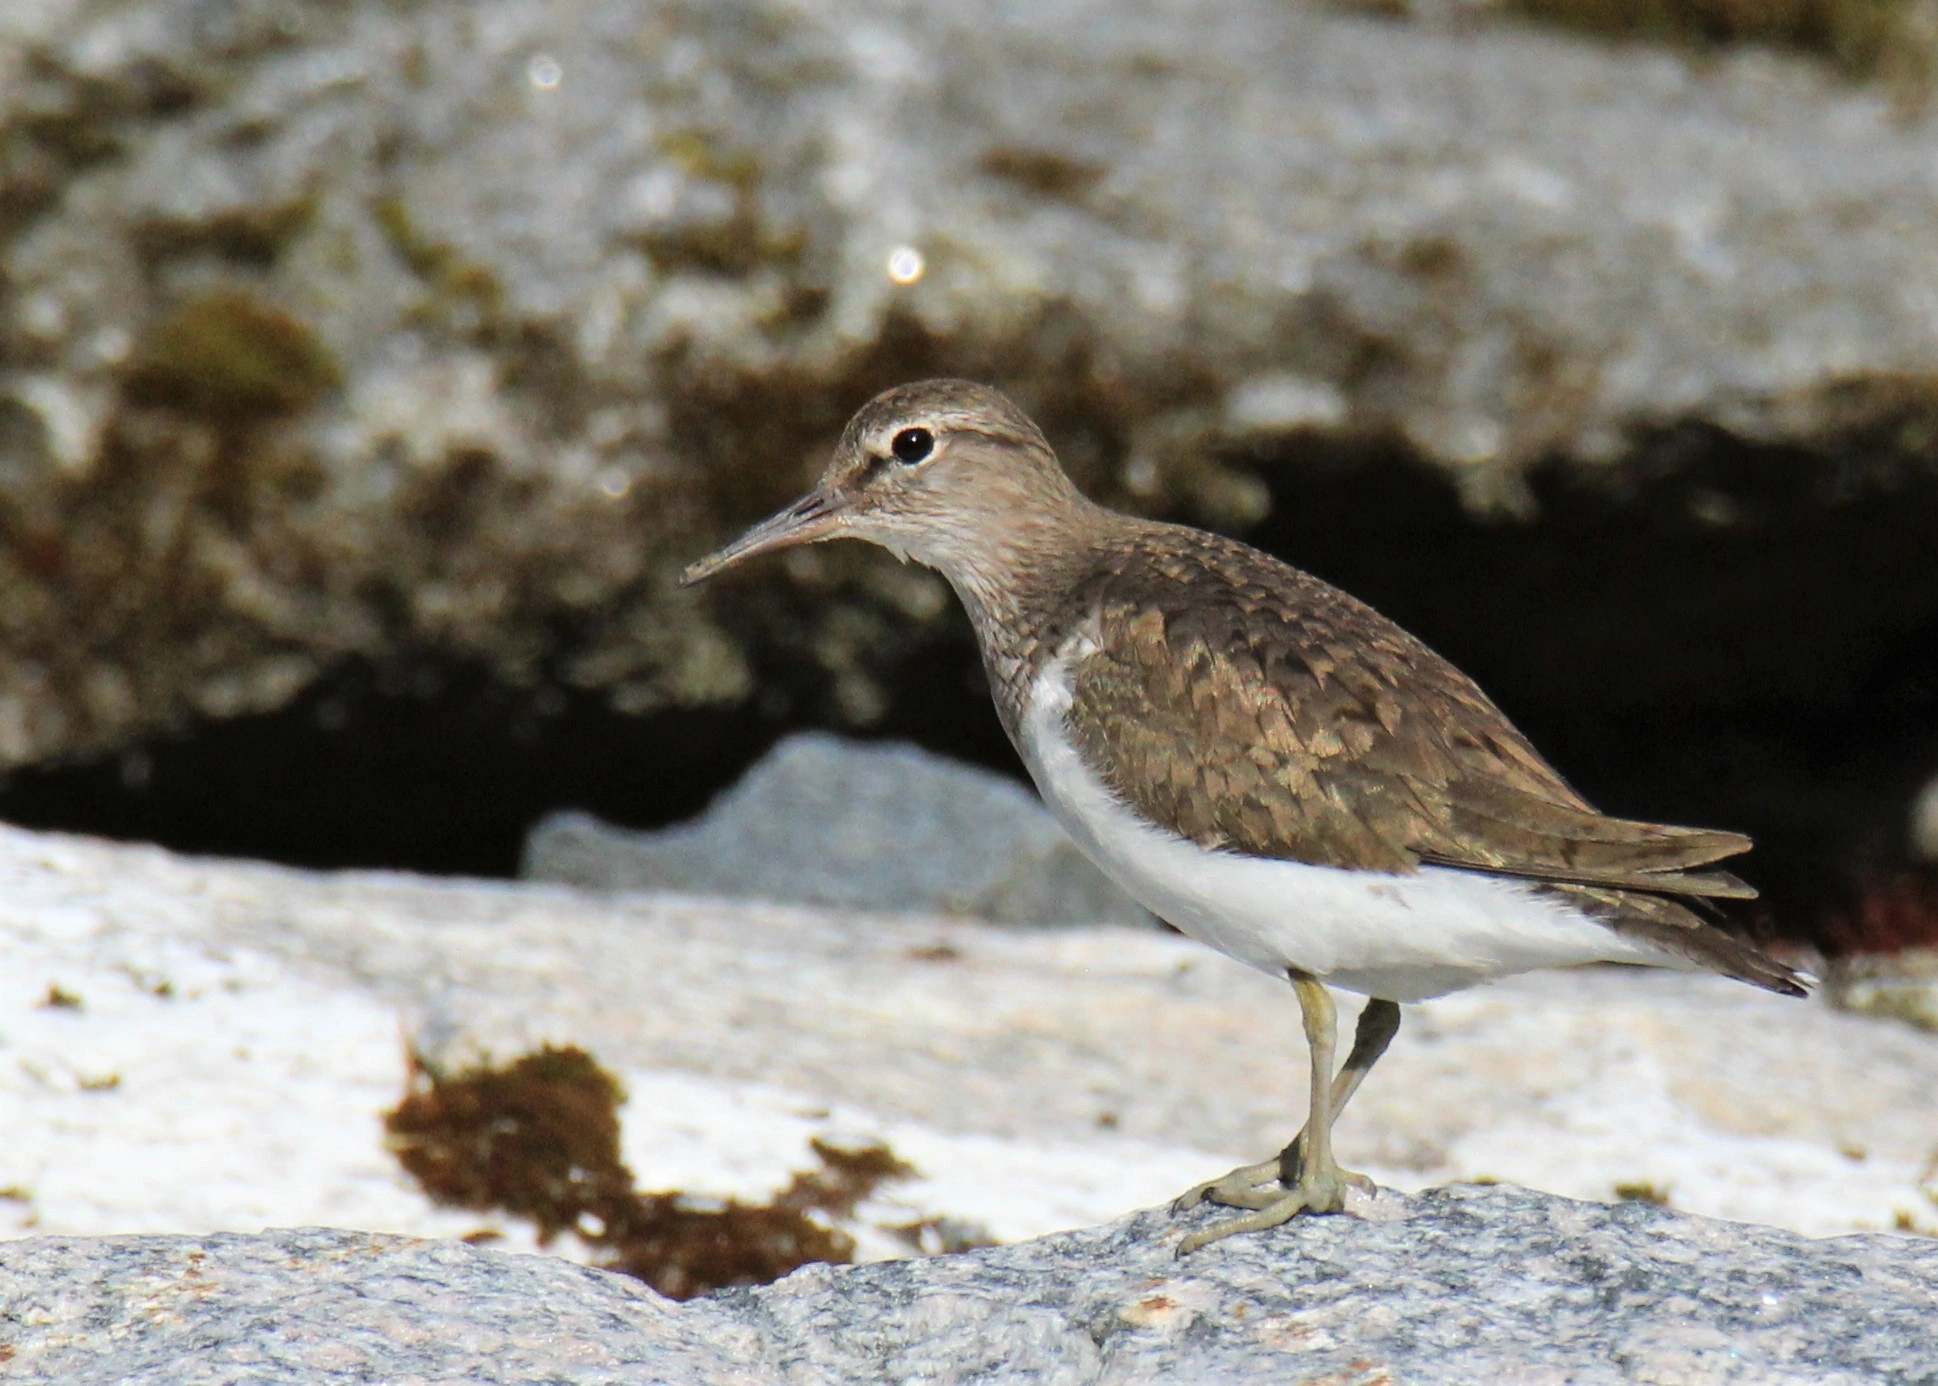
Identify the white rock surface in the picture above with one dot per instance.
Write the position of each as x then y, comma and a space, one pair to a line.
1037, 1081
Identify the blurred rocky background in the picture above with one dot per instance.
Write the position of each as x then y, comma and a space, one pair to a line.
368, 370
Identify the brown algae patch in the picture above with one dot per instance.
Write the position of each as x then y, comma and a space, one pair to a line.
1642, 1191
538, 1138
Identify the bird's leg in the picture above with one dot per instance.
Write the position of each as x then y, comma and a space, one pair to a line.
1255, 1186
1306, 1176
1378, 1023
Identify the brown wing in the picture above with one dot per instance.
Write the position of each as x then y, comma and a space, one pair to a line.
1351, 743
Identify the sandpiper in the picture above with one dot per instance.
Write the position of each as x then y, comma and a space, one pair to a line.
1265, 762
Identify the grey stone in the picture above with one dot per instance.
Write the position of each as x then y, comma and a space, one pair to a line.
1460, 1285
546, 297
1897, 986
825, 821
313, 1306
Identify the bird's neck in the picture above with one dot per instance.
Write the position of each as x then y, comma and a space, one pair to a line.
1019, 582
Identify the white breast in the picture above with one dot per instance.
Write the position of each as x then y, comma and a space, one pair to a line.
1402, 937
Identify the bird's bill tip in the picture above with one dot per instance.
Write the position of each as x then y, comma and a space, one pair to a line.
808, 519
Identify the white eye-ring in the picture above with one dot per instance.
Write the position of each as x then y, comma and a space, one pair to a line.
912, 445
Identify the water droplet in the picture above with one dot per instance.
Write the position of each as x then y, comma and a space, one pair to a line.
905, 264
544, 71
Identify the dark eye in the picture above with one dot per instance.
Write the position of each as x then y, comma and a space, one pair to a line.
911, 445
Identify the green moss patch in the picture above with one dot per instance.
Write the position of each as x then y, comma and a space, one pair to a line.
460, 286
59, 998
1861, 37
1040, 171
229, 356
252, 236
1642, 1191
737, 245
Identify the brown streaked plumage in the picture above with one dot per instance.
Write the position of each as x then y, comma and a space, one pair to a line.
1236, 740
1346, 742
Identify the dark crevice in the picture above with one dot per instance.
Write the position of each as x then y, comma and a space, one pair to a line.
1718, 633
440, 767
436, 767
1714, 633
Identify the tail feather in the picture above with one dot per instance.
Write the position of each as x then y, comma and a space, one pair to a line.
1677, 930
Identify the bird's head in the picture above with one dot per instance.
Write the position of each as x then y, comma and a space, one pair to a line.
947, 473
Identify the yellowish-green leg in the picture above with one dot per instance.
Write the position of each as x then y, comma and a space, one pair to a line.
1304, 1177
1255, 1186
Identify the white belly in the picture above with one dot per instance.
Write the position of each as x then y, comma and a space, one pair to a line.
1402, 937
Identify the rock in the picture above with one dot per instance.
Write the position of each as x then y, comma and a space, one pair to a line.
823, 821
361, 330
160, 1014
1884, 964
1461, 1285
1899, 986
340, 1306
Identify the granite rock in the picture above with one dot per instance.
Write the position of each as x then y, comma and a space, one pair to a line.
1460, 1285
825, 821
362, 329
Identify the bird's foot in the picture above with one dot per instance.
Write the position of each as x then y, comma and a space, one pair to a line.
1263, 1184
1248, 1186
1275, 1192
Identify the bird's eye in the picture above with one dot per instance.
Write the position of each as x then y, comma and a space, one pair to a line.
911, 445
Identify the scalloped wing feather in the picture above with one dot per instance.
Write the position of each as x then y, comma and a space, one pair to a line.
1357, 746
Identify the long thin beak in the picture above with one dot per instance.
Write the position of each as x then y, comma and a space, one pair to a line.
812, 517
